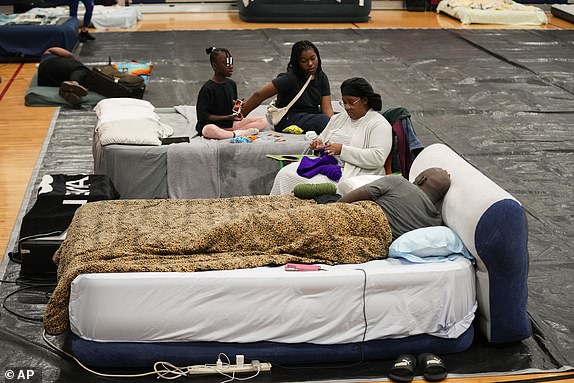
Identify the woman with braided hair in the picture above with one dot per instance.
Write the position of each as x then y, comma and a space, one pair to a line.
354, 143
313, 109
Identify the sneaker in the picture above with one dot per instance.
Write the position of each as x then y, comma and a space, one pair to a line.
71, 98
74, 87
85, 36
72, 92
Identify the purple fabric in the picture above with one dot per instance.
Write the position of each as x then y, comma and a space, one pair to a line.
326, 165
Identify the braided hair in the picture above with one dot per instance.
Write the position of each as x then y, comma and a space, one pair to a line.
298, 48
213, 52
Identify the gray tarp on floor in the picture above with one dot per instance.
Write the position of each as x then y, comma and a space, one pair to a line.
502, 99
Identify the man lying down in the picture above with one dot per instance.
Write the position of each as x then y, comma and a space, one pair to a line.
240, 232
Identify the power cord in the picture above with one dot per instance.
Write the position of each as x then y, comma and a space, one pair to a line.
165, 370
28, 286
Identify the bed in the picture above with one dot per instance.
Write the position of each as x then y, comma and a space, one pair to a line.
26, 37
103, 17
200, 168
563, 11
118, 316
493, 12
301, 11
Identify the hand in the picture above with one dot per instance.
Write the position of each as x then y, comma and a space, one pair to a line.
316, 144
333, 149
233, 117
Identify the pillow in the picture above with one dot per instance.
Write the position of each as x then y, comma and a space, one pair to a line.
134, 132
124, 102
434, 241
118, 105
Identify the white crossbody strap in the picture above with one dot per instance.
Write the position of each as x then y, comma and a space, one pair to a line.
300, 92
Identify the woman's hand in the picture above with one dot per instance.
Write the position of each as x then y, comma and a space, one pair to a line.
316, 144
333, 149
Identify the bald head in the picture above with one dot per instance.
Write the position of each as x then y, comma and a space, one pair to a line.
435, 182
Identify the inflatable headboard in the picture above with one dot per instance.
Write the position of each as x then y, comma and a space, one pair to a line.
493, 226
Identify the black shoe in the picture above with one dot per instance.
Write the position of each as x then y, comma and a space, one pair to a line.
85, 36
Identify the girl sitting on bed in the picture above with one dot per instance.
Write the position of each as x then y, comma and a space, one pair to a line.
216, 117
353, 143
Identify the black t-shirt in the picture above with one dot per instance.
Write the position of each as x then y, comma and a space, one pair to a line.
215, 99
288, 85
54, 69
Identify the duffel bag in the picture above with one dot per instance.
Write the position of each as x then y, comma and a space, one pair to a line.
112, 83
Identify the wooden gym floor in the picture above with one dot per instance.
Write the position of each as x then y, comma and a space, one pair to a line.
23, 129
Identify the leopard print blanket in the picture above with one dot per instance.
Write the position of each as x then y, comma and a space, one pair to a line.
211, 234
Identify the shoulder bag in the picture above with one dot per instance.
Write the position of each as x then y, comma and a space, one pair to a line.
275, 114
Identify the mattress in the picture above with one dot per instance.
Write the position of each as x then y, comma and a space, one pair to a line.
338, 305
50, 96
145, 354
202, 168
304, 11
493, 12
563, 11
27, 42
102, 17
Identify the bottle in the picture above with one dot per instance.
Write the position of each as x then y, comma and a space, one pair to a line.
310, 135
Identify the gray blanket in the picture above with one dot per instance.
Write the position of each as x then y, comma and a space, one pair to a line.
219, 168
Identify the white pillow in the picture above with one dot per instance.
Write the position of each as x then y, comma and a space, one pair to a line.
127, 113
133, 132
114, 103
345, 186
434, 241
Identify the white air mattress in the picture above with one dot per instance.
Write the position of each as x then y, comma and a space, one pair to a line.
493, 12
330, 306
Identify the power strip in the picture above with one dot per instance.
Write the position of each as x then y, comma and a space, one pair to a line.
228, 369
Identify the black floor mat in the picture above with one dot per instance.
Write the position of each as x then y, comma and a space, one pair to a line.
504, 100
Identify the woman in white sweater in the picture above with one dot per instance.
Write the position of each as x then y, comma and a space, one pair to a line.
360, 139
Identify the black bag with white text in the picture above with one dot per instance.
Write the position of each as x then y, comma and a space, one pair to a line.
59, 196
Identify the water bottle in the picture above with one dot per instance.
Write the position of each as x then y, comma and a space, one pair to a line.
310, 135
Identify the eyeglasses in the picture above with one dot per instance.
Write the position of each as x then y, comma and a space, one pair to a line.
348, 104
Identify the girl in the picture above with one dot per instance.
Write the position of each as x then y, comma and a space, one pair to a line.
313, 109
215, 103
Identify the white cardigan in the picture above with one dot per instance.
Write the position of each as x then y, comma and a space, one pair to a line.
370, 144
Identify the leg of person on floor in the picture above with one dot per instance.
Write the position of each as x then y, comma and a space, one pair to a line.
74, 89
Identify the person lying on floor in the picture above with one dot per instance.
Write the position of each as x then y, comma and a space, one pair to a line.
407, 206
59, 68
353, 143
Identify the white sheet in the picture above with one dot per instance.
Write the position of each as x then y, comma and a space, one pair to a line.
102, 17
271, 304
493, 12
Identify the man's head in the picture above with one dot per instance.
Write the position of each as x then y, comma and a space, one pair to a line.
435, 182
